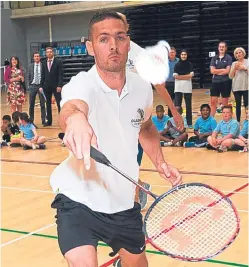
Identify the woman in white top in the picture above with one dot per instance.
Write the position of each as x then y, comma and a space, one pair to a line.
183, 73
239, 74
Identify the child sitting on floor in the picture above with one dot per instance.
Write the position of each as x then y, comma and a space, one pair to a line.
229, 130
203, 128
15, 131
160, 120
6, 124
241, 142
171, 136
30, 138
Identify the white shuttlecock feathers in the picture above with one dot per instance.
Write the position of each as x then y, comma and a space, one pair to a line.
152, 64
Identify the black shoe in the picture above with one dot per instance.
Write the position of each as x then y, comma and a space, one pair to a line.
15, 145
42, 146
47, 124
61, 135
209, 147
235, 147
25, 147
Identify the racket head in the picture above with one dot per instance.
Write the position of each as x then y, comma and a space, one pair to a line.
171, 230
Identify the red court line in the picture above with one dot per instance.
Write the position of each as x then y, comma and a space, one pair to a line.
30, 161
203, 173
228, 195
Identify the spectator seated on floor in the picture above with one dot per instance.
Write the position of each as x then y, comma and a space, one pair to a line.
241, 143
6, 124
172, 136
160, 120
229, 130
30, 137
203, 128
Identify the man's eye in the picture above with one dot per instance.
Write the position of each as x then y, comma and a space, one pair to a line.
121, 38
103, 40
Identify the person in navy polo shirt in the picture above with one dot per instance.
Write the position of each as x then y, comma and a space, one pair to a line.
221, 84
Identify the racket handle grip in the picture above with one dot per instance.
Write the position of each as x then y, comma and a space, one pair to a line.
99, 157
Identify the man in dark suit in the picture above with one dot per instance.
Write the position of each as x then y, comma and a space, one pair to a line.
34, 79
51, 81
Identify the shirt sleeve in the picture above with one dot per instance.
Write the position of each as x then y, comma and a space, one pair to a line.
229, 61
234, 129
149, 108
213, 124
212, 63
196, 127
79, 88
244, 130
32, 127
218, 128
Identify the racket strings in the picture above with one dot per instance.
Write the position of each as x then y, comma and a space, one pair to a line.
181, 224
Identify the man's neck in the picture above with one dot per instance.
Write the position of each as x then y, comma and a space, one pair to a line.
221, 55
172, 59
114, 80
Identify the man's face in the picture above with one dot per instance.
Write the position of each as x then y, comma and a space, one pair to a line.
227, 114
172, 54
36, 58
49, 53
109, 45
205, 113
222, 48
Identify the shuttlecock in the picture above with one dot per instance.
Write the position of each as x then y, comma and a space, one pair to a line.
152, 64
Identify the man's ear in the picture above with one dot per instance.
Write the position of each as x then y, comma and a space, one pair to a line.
89, 47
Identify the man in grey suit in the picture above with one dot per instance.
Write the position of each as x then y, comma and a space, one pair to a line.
34, 78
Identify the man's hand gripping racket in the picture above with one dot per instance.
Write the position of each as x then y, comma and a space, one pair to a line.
191, 222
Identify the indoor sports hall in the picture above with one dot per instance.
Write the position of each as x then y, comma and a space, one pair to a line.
28, 229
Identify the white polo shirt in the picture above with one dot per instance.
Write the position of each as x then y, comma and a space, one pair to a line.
116, 121
135, 50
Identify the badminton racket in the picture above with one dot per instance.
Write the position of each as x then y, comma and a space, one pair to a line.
190, 222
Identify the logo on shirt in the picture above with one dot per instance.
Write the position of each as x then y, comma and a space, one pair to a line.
137, 122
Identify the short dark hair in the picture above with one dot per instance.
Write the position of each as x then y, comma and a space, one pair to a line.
49, 47
35, 53
227, 107
246, 108
205, 106
16, 116
24, 116
172, 48
100, 16
160, 107
6, 118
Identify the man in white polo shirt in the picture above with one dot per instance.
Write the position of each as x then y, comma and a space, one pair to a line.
109, 109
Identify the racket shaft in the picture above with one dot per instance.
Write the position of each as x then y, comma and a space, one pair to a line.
133, 181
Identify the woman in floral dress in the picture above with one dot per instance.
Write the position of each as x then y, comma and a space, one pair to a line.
13, 76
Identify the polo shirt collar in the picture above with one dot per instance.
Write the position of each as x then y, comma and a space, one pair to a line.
126, 89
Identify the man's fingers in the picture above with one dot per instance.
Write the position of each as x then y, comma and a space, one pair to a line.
94, 141
86, 145
68, 141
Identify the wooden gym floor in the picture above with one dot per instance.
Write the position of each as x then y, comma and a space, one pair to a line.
28, 233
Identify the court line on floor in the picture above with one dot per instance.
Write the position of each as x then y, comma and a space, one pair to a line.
143, 170
27, 235
105, 245
203, 173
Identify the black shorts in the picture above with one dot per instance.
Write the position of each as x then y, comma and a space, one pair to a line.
77, 225
223, 88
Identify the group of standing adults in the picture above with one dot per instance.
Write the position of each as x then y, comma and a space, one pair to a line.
44, 78
227, 76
